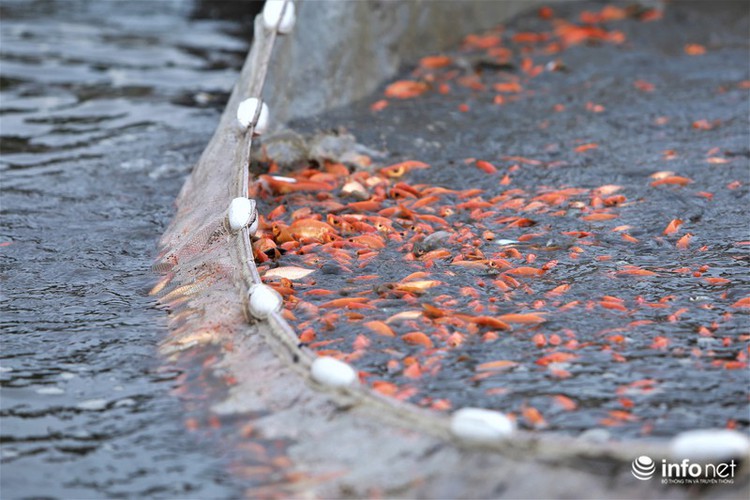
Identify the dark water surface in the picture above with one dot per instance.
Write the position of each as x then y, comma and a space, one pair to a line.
105, 106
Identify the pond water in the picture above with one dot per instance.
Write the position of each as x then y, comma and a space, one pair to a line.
611, 143
105, 107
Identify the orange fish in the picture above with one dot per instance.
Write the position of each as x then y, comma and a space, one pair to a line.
683, 242
489, 321
400, 169
486, 167
417, 287
599, 217
525, 271
380, 328
635, 271
306, 228
349, 302
534, 417
556, 357
417, 338
672, 179
523, 319
672, 227
385, 388
586, 147
695, 49
565, 402
499, 365
435, 62
405, 89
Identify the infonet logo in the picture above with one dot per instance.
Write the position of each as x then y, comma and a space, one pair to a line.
684, 472
643, 468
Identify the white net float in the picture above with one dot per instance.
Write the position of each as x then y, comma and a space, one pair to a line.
242, 213
332, 372
710, 445
246, 113
478, 425
272, 15
263, 300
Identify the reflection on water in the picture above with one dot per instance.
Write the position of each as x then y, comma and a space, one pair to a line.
103, 108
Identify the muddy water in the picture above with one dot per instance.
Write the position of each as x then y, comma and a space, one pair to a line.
105, 106
672, 355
